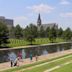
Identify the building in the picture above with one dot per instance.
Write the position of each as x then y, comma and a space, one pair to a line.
8, 22
45, 26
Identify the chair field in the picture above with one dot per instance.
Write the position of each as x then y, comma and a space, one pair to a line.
23, 42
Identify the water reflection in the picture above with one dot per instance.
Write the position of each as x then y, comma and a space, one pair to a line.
39, 50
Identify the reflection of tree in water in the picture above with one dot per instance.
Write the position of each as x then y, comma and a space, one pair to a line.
4, 56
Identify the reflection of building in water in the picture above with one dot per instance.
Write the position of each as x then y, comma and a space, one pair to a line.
45, 26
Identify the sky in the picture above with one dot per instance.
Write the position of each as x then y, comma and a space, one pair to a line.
24, 12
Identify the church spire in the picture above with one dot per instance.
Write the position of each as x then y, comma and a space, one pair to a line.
39, 20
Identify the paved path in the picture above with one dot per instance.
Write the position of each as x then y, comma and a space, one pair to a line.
6, 65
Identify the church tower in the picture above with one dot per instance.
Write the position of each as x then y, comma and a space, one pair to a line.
39, 20
39, 23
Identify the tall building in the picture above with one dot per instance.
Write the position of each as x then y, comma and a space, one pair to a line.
8, 22
45, 26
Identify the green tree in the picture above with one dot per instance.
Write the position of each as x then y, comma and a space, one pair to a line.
47, 32
42, 32
52, 34
18, 32
4, 35
60, 32
11, 33
30, 33
67, 34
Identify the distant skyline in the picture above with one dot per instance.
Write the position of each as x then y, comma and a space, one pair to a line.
24, 12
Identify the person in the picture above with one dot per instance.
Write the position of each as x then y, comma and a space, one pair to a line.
12, 58
36, 57
23, 54
16, 62
20, 56
31, 56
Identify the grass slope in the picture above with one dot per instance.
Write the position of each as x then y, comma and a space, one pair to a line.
66, 68
48, 66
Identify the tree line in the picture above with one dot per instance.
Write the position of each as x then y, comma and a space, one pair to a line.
31, 32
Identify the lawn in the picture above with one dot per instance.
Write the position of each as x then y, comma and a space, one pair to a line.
23, 42
66, 68
48, 66
41, 68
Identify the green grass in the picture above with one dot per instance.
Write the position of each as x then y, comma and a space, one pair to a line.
48, 66
66, 68
30, 65
38, 41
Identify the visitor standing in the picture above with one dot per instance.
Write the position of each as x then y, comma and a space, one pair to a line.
36, 57
31, 57
20, 55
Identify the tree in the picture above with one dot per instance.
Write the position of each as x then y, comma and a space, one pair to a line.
18, 32
47, 32
41, 32
11, 33
30, 33
67, 34
4, 35
52, 34
60, 32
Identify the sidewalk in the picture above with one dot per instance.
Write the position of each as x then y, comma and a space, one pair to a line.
6, 65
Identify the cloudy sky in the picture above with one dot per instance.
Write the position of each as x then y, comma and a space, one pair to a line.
25, 12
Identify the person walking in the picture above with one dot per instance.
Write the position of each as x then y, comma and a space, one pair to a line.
16, 62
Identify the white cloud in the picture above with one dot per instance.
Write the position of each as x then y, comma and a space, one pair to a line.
64, 2
20, 20
42, 8
69, 14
